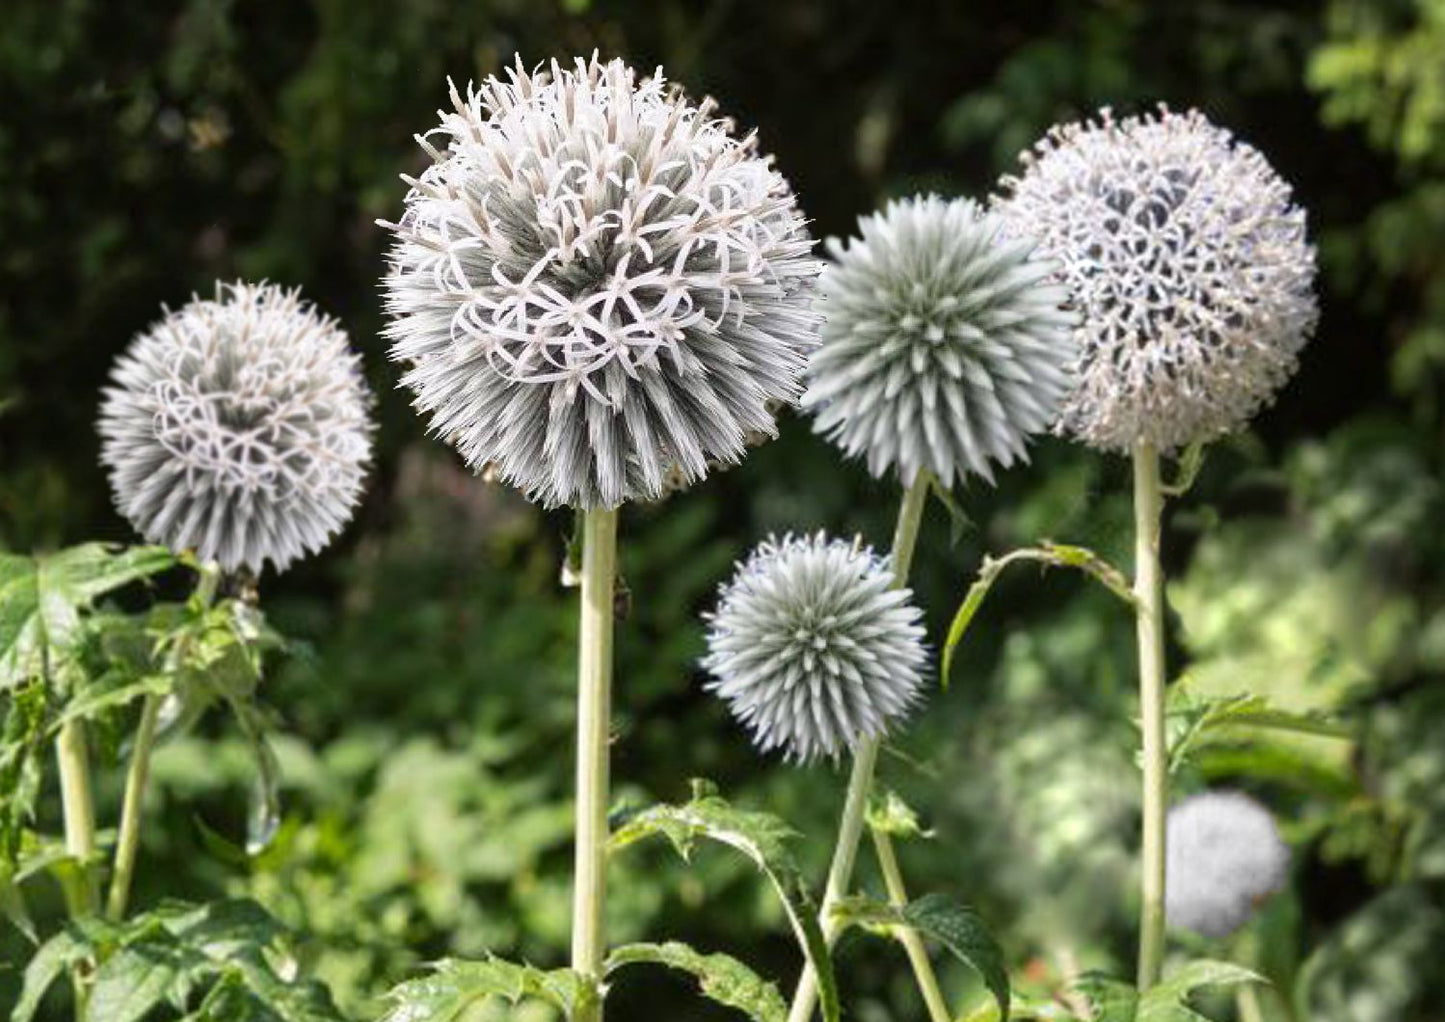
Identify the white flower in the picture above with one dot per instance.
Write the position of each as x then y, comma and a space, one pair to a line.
813, 649
1188, 264
238, 428
596, 286
1225, 856
944, 344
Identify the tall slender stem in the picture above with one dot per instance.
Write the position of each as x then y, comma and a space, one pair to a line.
78, 806
594, 709
127, 843
865, 760
912, 942
1149, 592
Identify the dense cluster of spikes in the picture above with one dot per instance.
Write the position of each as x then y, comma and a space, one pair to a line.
1189, 266
812, 647
1225, 858
945, 346
238, 428
597, 287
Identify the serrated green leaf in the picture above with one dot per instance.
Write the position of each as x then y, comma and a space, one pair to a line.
158, 969
61, 952
723, 978
763, 839
956, 926
42, 597
1114, 1000
95, 701
455, 986
1196, 719
21, 744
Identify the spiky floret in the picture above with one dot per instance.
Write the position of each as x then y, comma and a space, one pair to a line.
1189, 266
944, 343
1225, 857
238, 428
812, 648
597, 286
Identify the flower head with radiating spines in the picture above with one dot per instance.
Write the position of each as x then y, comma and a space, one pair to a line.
945, 346
812, 647
1189, 266
1225, 856
597, 287
238, 428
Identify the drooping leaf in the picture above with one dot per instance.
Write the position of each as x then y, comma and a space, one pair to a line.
763, 839
956, 926
42, 597
723, 978
454, 987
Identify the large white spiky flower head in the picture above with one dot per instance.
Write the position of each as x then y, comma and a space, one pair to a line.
238, 428
597, 286
813, 648
1189, 267
1225, 857
944, 344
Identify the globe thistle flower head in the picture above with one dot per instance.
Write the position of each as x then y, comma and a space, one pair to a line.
813, 648
238, 428
1225, 857
1188, 264
944, 342
597, 286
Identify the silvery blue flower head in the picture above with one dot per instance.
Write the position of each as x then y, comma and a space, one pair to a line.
1188, 264
945, 346
813, 648
597, 286
238, 428
1225, 856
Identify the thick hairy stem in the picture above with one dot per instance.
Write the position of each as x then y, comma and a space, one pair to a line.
1149, 597
594, 708
865, 759
912, 942
127, 843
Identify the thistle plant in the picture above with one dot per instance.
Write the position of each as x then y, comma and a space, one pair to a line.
597, 288
1189, 266
1226, 857
945, 347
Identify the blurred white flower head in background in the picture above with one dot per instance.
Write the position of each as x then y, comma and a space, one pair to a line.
1225, 857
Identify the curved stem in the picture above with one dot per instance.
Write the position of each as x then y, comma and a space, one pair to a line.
127, 843
865, 759
1149, 619
594, 707
912, 942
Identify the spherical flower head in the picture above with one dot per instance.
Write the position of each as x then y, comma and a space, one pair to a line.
1225, 857
1189, 267
238, 428
597, 286
944, 343
812, 647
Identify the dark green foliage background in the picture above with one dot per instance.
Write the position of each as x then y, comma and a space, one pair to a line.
147, 149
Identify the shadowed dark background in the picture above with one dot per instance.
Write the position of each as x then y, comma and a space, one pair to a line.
148, 150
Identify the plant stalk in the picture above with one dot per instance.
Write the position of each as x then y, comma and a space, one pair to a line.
912, 942
78, 806
594, 709
128, 837
865, 760
1149, 619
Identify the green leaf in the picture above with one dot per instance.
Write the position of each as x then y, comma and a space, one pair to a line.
21, 747
1114, 1000
1197, 719
148, 972
957, 927
41, 599
723, 978
763, 839
54, 957
893, 816
455, 986
96, 700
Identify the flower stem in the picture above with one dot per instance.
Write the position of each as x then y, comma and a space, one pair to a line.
594, 707
912, 942
78, 806
865, 759
128, 837
1149, 619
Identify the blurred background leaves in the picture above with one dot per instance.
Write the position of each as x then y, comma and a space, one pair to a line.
147, 150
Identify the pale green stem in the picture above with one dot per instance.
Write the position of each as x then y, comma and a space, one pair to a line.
127, 842
912, 942
78, 806
1247, 1003
865, 759
594, 708
1149, 618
